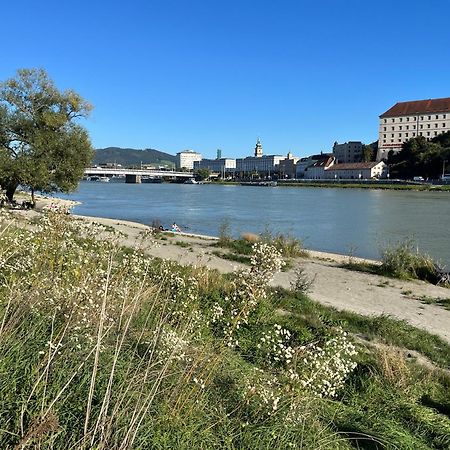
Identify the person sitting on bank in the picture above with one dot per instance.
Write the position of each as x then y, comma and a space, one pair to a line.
175, 228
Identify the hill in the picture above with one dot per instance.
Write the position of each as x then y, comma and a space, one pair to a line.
132, 156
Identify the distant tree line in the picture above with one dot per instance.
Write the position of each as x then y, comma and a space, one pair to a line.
420, 157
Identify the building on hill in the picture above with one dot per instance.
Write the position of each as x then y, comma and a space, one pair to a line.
355, 171
348, 152
406, 120
186, 159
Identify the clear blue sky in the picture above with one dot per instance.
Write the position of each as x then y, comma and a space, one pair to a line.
173, 74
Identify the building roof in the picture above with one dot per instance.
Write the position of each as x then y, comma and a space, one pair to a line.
356, 166
419, 107
324, 162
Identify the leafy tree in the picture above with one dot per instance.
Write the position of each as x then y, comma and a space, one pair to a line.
420, 157
202, 174
42, 146
368, 153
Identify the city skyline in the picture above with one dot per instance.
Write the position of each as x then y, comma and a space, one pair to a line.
175, 76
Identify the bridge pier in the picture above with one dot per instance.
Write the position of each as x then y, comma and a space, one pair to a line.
132, 179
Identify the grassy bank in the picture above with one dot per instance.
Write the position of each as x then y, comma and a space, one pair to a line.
104, 347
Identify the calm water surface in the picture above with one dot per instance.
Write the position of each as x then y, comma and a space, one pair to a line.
327, 219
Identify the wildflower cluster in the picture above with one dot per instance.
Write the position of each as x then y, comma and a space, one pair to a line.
250, 286
323, 369
274, 346
263, 392
169, 345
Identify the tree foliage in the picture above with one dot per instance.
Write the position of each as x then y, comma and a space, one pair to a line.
42, 146
420, 157
202, 174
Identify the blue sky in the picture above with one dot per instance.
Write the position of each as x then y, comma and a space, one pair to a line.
172, 74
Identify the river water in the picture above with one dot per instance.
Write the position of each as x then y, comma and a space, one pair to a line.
356, 221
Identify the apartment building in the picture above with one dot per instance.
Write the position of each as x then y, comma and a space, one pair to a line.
406, 120
186, 159
348, 152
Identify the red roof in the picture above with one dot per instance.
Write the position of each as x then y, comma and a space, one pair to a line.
435, 105
358, 166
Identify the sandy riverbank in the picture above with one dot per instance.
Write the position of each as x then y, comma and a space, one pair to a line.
335, 286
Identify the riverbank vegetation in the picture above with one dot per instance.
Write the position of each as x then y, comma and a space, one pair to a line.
403, 261
105, 347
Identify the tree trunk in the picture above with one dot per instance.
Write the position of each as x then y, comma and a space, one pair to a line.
10, 190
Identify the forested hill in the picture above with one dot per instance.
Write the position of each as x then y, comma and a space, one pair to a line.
131, 156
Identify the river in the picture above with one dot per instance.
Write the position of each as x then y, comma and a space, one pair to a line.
356, 221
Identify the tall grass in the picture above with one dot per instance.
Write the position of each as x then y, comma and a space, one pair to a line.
104, 347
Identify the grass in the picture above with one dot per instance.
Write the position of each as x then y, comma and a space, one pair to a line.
239, 250
439, 301
104, 347
402, 261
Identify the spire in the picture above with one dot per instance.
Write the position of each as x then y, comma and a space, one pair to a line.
258, 149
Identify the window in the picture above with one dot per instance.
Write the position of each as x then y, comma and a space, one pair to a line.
421, 117
420, 133
421, 126
428, 125
443, 125
399, 134
400, 127
401, 119
429, 117
406, 134
399, 140
435, 133
437, 117
384, 140
435, 125
407, 119
392, 135
407, 127
393, 128
385, 120
428, 133
384, 135
414, 134
384, 128
443, 116
392, 140
414, 127
393, 120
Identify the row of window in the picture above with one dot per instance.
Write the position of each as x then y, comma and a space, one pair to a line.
414, 118
406, 135
400, 127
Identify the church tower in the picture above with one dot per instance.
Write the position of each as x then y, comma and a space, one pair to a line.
258, 149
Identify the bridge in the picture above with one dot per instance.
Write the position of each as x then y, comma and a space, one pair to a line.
135, 175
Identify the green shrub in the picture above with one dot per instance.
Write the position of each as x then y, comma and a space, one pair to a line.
404, 261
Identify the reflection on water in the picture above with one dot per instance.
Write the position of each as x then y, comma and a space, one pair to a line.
328, 219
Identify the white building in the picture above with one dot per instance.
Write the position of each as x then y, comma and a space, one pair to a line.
349, 152
355, 171
407, 120
221, 165
265, 165
186, 159
317, 170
